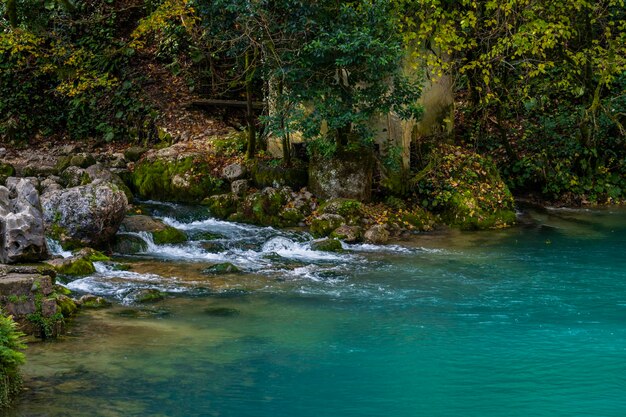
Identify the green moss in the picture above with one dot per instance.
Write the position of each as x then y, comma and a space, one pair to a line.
168, 236
327, 245
265, 174
263, 208
221, 206
291, 216
351, 210
66, 305
6, 171
324, 225
146, 296
77, 268
222, 268
185, 180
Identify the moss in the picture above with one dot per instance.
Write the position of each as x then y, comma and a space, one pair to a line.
263, 208
465, 189
6, 171
77, 268
168, 236
324, 225
62, 164
184, 180
221, 206
146, 296
327, 245
66, 305
266, 175
351, 210
94, 302
291, 216
222, 268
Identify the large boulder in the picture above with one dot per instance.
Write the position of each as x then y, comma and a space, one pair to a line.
177, 173
88, 215
348, 175
377, 234
22, 237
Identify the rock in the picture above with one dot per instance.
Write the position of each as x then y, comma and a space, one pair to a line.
239, 188
324, 225
74, 176
6, 171
327, 245
3, 152
75, 266
349, 209
129, 244
234, 172
263, 207
117, 160
377, 235
221, 268
349, 234
343, 176
221, 311
82, 160
291, 216
99, 172
30, 298
162, 234
222, 205
88, 215
134, 153
265, 175
67, 306
175, 174
93, 301
22, 237
468, 190
145, 296
49, 184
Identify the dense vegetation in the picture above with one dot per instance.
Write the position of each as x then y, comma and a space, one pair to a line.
10, 359
538, 86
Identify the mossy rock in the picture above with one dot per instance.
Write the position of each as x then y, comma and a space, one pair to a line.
264, 174
66, 305
465, 189
82, 160
350, 210
145, 296
134, 153
221, 312
91, 255
349, 234
291, 216
169, 236
129, 244
77, 267
221, 205
327, 245
6, 171
221, 269
181, 180
322, 226
93, 302
263, 208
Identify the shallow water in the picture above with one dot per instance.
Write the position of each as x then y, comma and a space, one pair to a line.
524, 322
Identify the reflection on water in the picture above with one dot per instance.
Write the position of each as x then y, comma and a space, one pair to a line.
522, 322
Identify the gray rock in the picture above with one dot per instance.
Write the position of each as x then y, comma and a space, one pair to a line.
49, 184
74, 176
345, 176
82, 160
22, 237
234, 172
239, 187
134, 153
349, 234
377, 234
3, 152
88, 215
324, 225
129, 244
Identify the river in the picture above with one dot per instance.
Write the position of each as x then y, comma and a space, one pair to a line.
529, 321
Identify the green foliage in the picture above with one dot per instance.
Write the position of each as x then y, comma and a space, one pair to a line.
68, 72
10, 359
465, 189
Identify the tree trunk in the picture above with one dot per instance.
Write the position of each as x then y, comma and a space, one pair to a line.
250, 110
12, 13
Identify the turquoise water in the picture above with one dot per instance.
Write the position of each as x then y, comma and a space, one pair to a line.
524, 322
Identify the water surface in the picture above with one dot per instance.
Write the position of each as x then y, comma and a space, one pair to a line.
529, 321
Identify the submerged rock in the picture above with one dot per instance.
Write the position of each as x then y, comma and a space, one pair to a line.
129, 244
221, 268
145, 296
221, 311
93, 301
89, 215
162, 234
22, 237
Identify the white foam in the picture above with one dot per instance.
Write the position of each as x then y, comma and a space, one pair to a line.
55, 248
